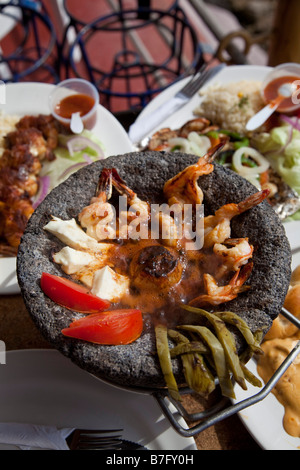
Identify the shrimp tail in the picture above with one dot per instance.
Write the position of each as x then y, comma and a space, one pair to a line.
213, 152
120, 185
105, 183
242, 275
252, 200
219, 295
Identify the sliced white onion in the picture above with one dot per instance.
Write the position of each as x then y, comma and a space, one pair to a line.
261, 161
180, 142
254, 179
202, 142
71, 169
194, 143
78, 143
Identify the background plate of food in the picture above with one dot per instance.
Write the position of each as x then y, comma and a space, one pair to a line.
267, 157
275, 422
31, 99
251, 77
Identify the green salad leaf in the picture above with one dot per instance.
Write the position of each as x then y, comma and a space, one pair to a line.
281, 146
67, 162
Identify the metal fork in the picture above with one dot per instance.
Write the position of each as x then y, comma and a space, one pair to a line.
195, 83
142, 127
100, 439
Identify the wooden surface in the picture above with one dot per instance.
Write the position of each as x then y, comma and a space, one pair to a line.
18, 331
285, 44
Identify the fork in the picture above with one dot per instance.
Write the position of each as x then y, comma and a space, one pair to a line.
99, 439
146, 124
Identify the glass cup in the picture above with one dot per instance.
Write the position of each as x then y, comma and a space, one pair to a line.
74, 86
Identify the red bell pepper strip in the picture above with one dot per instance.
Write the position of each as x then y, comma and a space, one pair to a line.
113, 327
71, 295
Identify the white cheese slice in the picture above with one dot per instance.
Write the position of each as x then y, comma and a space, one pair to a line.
72, 260
70, 233
109, 285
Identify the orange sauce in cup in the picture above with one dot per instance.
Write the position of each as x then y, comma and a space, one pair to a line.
77, 103
271, 93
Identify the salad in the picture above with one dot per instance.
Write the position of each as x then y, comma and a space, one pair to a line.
269, 159
72, 153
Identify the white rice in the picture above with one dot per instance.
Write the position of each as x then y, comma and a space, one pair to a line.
231, 106
7, 124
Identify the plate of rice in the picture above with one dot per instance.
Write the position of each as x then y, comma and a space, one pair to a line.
229, 100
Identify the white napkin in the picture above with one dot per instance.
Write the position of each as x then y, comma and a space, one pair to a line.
29, 436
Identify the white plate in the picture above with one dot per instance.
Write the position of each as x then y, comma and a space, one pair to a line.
263, 420
229, 74
32, 98
44, 387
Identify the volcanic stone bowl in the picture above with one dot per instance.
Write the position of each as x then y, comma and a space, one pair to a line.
136, 365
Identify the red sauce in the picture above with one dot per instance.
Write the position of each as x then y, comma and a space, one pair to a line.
78, 103
271, 91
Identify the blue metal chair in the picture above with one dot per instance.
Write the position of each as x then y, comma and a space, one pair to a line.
33, 42
129, 66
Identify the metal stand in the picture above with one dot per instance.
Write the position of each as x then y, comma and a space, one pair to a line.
220, 412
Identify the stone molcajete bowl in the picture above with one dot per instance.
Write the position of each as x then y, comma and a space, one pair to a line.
136, 365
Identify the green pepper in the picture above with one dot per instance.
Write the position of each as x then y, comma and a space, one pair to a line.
224, 157
213, 134
251, 378
198, 377
233, 135
227, 341
164, 357
241, 143
241, 325
190, 347
248, 161
219, 357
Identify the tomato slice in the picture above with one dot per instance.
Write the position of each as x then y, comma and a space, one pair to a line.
113, 327
71, 295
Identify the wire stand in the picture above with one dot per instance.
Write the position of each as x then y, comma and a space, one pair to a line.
133, 73
221, 411
33, 41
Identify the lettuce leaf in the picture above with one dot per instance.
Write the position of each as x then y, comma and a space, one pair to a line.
65, 164
281, 146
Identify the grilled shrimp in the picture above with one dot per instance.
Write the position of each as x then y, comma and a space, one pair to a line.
98, 217
183, 188
194, 125
234, 253
160, 139
168, 231
132, 221
217, 227
216, 294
